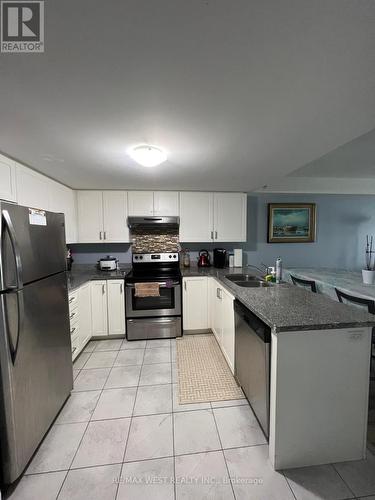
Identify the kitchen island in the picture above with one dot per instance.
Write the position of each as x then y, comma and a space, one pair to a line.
320, 362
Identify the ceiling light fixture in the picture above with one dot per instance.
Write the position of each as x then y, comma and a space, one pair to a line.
148, 156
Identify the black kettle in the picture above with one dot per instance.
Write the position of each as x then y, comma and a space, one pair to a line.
204, 258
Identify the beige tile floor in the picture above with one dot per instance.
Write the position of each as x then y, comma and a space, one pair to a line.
122, 435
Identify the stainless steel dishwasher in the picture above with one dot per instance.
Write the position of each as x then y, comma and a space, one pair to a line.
252, 362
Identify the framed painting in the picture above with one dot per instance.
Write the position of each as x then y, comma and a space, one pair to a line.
291, 222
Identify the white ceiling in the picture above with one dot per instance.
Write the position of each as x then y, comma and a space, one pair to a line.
355, 159
236, 90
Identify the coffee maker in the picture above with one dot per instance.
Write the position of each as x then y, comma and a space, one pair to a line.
220, 257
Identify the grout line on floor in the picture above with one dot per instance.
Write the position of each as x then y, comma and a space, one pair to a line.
130, 426
222, 451
343, 480
173, 443
287, 482
71, 462
83, 435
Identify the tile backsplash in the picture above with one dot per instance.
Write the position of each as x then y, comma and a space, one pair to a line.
155, 241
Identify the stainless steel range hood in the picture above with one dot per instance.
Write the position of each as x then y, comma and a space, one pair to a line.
153, 222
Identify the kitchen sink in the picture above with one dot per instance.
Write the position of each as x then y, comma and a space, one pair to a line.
252, 283
247, 280
242, 277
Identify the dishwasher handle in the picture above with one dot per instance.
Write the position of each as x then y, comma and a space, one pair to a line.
262, 330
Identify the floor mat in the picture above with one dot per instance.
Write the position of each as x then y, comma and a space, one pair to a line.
203, 373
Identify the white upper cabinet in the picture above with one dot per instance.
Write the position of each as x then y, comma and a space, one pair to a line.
115, 215
63, 199
216, 217
166, 203
230, 211
196, 216
32, 188
153, 203
141, 202
90, 216
102, 217
7, 179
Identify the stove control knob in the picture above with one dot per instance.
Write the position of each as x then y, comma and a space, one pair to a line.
136, 257
141, 257
175, 256
170, 256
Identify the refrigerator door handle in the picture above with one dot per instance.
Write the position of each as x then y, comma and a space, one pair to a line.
14, 341
16, 251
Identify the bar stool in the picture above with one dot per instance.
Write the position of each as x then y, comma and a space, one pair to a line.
370, 304
304, 283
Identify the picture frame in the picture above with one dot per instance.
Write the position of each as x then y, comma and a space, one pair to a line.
291, 222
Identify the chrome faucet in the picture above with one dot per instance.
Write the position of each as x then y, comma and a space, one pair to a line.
266, 269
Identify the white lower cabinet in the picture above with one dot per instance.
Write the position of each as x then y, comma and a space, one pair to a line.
222, 319
107, 308
96, 309
227, 328
208, 305
74, 323
195, 303
99, 313
116, 307
216, 310
84, 305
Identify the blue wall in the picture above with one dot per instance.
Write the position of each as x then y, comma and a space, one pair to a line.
342, 224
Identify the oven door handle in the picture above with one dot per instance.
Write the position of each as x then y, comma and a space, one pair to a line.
161, 284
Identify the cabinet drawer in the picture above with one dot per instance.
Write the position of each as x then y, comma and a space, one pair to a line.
73, 316
75, 345
73, 300
74, 329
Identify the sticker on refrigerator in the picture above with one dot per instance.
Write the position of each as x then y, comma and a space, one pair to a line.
37, 217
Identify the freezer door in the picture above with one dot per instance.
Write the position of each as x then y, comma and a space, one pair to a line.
36, 367
32, 245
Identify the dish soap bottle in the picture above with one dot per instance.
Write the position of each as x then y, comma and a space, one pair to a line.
279, 269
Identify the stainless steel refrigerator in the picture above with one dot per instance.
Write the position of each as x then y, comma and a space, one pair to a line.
35, 347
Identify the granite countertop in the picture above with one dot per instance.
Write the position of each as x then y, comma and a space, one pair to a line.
283, 307
286, 307
328, 279
83, 273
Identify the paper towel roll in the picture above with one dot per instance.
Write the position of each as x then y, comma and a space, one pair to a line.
237, 257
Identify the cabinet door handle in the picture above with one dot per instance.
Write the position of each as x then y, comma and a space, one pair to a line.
121, 289
74, 350
71, 300
105, 235
72, 315
215, 235
103, 289
218, 293
185, 286
100, 235
72, 330
212, 235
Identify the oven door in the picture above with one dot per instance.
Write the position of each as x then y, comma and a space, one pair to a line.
167, 304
